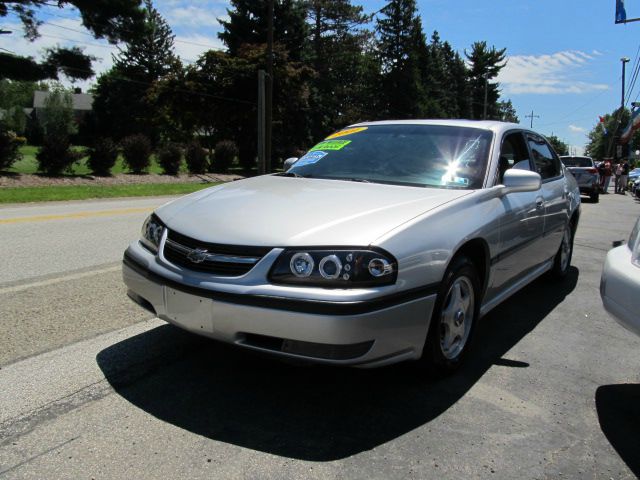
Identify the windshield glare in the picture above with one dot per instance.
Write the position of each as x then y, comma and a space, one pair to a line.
416, 155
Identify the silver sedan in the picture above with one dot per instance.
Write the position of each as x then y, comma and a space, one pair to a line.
386, 242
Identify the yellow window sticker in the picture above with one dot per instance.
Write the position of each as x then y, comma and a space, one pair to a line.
331, 145
348, 131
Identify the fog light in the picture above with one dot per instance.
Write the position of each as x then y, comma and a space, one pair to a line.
379, 267
301, 265
330, 267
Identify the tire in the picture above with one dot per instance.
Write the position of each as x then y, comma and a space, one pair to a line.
454, 319
562, 260
595, 197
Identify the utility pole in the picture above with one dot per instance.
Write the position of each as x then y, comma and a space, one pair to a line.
532, 116
624, 61
261, 123
486, 81
269, 88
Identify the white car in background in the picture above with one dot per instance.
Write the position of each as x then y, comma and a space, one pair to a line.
620, 282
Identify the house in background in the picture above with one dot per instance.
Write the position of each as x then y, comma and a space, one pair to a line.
82, 103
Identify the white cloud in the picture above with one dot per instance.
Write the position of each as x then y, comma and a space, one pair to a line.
548, 74
196, 16
577, 129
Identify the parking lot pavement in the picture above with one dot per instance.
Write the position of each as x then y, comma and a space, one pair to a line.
551, 390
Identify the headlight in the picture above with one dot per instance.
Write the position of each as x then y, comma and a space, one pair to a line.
152, 230
634, 244
344, 268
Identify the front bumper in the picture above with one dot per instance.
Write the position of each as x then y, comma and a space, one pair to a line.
361, 330
620, 288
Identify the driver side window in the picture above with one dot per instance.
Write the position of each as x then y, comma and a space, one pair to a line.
513, 154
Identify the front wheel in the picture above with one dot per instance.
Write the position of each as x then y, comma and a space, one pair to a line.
562, 260
454, 318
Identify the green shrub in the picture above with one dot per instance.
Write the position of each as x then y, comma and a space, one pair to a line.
136, 150
225, 152
102, 156
55, 155
9, 148
196, 158
169, 158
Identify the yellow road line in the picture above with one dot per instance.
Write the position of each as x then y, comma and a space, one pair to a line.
65, 216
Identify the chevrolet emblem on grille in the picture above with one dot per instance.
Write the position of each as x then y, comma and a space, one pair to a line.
198, 255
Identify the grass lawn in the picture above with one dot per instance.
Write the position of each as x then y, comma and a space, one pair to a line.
83, 192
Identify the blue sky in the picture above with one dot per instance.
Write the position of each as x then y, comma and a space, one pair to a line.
563, 55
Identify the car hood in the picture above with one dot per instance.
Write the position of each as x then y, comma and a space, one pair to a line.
283, 211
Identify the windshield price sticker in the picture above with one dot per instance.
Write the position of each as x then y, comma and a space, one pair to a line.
348, 131
331, 145
310, 158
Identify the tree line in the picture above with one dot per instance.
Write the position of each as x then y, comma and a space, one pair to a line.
333, 64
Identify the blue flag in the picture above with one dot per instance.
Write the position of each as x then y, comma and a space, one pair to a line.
621, 13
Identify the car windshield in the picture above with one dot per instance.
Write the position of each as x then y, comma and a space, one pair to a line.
416, 155
577, 162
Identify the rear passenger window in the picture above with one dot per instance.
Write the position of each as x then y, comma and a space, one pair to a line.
546, 162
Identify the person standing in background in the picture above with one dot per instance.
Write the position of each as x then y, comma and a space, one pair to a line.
624, 175
607, 171
617, 172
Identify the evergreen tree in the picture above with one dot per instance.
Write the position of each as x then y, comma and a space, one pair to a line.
485, 64
336, 47
122, 105
400, 43
247, 25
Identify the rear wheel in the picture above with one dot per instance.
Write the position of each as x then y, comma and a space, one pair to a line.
454, 318
562, 260
595, 197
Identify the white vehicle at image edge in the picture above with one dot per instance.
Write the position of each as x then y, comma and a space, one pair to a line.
620, 282
386, 242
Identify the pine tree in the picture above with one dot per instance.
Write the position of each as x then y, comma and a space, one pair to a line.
400, 40
336, 46
151, 54
485, 64
122, 105
247, 25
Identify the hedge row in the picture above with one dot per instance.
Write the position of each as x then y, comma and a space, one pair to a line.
56, 156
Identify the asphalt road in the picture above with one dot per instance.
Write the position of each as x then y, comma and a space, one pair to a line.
92, 387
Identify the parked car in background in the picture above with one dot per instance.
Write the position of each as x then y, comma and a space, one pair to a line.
620, 282
586, 174
633, 176
385, 242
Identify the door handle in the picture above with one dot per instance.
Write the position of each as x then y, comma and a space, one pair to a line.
539, 203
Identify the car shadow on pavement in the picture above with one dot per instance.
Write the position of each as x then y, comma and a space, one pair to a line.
618, 409
307, 412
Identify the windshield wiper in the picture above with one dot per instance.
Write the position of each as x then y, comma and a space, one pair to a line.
291, 174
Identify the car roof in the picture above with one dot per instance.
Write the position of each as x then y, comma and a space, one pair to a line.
492, 125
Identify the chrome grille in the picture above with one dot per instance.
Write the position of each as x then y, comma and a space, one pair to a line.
217, 259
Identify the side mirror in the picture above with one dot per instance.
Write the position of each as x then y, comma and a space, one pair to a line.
516, 180
288, 163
